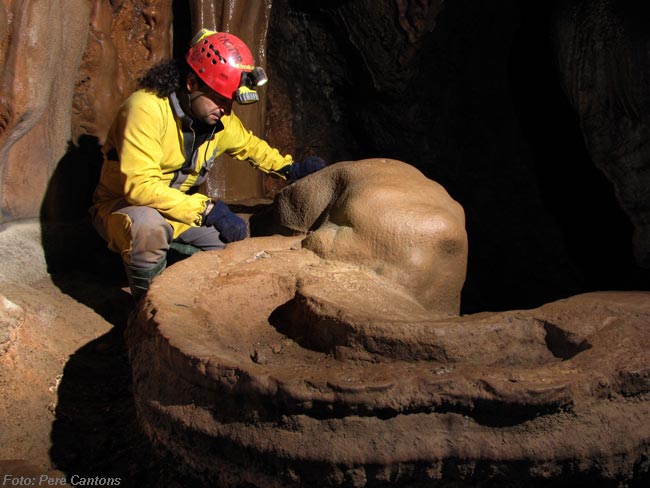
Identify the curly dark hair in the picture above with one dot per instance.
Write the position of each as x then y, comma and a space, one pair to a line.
163, 78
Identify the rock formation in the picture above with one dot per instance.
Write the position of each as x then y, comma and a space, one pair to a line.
387, 216
297, 361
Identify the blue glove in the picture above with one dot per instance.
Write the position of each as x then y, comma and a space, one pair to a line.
230, 226
308, 166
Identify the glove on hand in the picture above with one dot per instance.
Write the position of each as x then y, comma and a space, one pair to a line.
230, 226
308, 166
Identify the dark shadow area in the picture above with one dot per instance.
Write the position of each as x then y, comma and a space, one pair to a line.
182, 28
262, 220
69, 241
562, 344
475, 148
78, 260
96, 432
595, 231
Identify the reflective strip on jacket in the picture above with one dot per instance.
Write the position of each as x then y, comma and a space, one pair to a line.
145, 161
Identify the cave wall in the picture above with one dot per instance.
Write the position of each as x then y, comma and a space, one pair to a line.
40, 56
532, 116
602, 52
67, 65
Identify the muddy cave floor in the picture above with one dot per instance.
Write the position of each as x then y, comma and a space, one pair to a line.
66, 382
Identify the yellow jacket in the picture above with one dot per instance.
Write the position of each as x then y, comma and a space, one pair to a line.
145, 159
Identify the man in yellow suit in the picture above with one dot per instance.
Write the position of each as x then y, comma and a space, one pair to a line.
161, 146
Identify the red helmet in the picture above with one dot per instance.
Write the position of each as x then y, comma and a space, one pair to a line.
220, 59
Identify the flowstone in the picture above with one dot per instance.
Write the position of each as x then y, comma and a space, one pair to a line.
270, 364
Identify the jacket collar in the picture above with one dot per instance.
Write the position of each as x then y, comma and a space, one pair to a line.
180, 107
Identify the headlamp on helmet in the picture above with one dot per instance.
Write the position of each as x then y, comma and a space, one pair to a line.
246, 93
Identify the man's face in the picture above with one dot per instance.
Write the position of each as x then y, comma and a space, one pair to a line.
207, 105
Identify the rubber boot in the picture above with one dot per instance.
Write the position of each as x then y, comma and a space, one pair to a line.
139, 279
179, 251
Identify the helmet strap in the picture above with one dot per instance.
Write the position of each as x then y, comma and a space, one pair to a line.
194, 95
